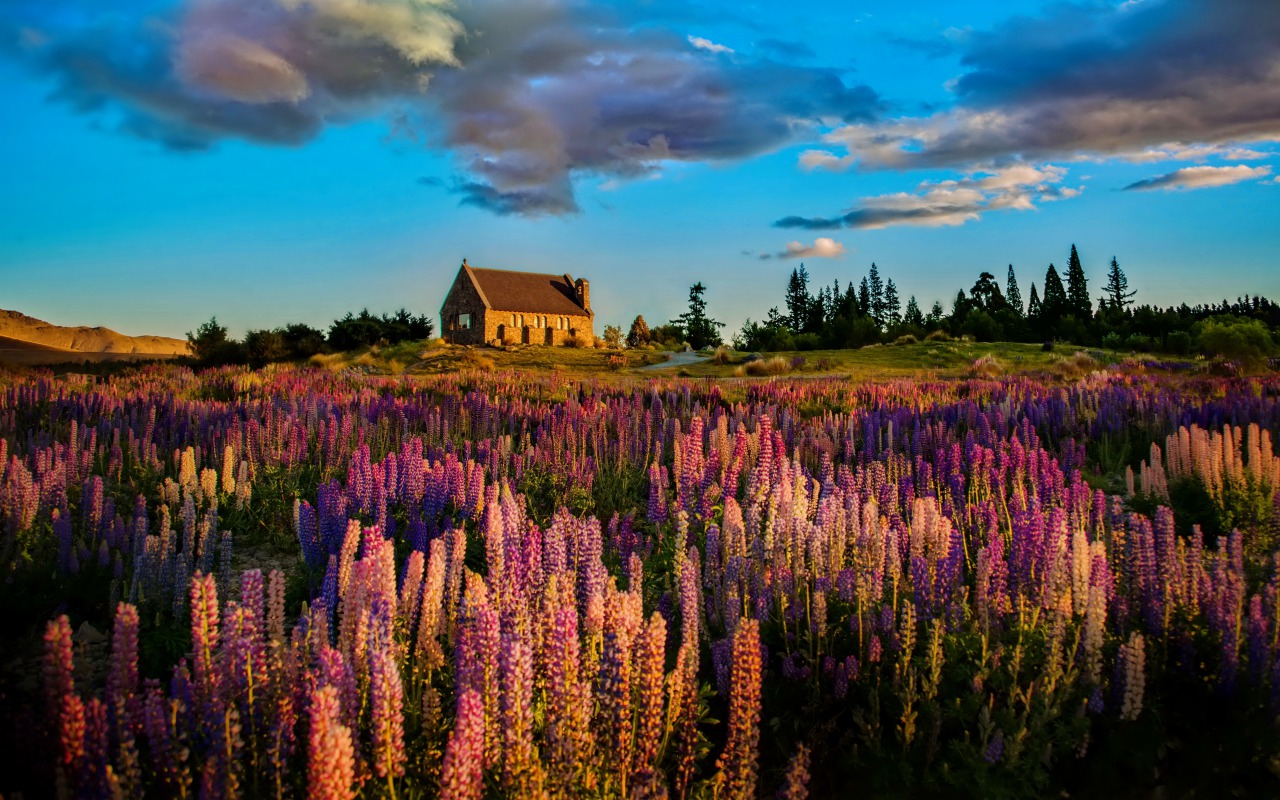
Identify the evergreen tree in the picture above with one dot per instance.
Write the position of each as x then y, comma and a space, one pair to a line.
912, 316
1117, 290
892, 306
818, 311
798, 298
1011, 293
986, 293
638, 336
935, 313
1054, 304
1033, 305
876, 287
864, 299
699, 329
775, 320
1078, 302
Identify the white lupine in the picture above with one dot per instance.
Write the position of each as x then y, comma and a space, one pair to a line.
1133, 663
1095, 628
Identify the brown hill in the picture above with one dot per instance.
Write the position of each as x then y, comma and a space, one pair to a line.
45, 342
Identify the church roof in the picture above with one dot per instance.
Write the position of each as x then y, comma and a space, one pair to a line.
526, 292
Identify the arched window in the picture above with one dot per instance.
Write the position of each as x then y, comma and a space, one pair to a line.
513, 320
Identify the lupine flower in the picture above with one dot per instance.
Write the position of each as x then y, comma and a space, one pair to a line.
795, 784
463, 772
331, 758
737, 763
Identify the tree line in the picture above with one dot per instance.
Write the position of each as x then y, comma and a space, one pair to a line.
872, 311
211, 343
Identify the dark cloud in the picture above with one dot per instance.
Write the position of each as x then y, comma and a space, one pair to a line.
1094, 79
528, 96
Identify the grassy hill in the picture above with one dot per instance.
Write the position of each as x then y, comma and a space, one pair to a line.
932, 359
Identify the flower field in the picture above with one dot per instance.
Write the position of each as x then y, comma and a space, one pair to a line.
506, 584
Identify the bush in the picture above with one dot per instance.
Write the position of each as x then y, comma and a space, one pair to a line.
908, 339
721, 356
1112, 341
938, 336
1245, 340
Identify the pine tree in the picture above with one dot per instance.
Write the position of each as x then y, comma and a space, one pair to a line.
892, 306
1118, 287
1011, 293
876, 286
1033, 305
798, 299
1054, 304
1078, 302
638, 336
912, 315
864, 299
699, 329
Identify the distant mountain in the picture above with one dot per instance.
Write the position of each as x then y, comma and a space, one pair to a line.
27, 340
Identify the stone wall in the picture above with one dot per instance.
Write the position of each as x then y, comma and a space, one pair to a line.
463, 299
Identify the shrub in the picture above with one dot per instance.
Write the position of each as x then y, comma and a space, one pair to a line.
615, 361
909, 339
721, 356
938, 336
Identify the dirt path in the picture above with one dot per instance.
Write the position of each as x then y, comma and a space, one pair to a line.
681, 359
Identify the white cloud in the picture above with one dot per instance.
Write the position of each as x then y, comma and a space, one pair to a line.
1200, 178
951, 202
708, 45
822, 247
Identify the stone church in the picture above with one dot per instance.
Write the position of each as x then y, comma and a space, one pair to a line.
498, 306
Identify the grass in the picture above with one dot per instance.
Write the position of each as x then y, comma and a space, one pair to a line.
929, 359
953, 359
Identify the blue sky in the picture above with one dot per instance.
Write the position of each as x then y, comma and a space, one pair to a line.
289, 160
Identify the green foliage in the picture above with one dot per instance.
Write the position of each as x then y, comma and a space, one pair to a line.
1245, 340
700, 330
211, 344
639, 334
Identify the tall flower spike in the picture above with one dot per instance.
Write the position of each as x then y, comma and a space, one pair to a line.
331, 765
462, 775
737, 764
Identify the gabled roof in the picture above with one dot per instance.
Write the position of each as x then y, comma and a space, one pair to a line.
526, 292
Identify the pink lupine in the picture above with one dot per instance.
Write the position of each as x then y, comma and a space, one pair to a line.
462, 775
204, 631
386, 699
331, 758
649, 662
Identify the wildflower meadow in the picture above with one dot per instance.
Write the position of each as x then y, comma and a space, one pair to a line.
295, 583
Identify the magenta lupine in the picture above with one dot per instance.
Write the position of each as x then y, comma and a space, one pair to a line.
330, 756
462, 775
204, 633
